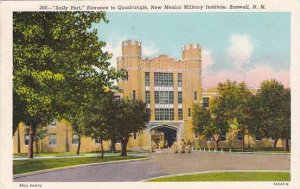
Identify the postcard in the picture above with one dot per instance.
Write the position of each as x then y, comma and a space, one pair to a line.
166, 94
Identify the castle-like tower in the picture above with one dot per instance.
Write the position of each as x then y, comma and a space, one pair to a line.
169, 87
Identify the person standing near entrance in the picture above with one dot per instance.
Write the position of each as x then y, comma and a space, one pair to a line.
175, 147
189, 146
182, 144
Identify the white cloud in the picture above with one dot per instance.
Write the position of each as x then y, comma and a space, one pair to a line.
149, 48
114, 46
207, 59
253, 77
240, 50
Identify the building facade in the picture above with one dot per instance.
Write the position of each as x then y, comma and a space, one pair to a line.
169, 86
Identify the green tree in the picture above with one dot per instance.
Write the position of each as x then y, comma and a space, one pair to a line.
235, 103
100, 118
274, 111
201, 120
210, 122
58, 65
131, 116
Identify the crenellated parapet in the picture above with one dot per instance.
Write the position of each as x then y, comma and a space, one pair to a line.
131, 48
191, 51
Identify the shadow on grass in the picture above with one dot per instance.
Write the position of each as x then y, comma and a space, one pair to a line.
25, 166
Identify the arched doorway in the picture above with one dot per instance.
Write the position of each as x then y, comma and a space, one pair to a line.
163, 136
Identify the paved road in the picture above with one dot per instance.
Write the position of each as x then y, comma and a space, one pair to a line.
164, 164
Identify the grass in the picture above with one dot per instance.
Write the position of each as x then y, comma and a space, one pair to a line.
66, 154
25, 166
228, 176
45, 154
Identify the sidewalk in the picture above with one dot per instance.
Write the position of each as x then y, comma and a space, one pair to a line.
79, 156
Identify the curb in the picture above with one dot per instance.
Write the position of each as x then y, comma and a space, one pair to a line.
217, 171
65, 157
76, 166
226, 152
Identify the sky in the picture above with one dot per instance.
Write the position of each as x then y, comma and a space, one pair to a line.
249, 47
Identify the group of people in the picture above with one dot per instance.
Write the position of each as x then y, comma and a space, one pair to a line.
183, 147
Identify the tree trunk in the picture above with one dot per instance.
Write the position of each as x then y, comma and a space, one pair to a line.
249, 145
30, 142
217, 145
286, 145
243, 142
79, 144
124, 142
275, 143
113, 145
101, 146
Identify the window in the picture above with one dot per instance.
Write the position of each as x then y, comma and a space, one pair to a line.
171, 114
258, 137
147, 97
75, 138
170, 83
180, 115
240, 135
179, 79
126, 77
133, 94
196, 134
26, 139
195, 95
164, 97
52, 139
156, 78
147, 79
156, 97
98, 140
206, 102
163, 79
222, 137
179, 97
171, 97
164, 114
190, 113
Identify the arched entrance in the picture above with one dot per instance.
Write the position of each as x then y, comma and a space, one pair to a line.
163, 136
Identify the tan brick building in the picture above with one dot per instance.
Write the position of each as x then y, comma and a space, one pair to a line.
169, 86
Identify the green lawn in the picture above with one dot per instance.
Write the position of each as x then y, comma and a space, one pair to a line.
56, 154
228, 176
65, 154
24, 166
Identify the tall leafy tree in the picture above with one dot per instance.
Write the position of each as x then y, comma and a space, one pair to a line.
235, 102
274, 111
131, 116
100, 118
210, 122
58, 64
